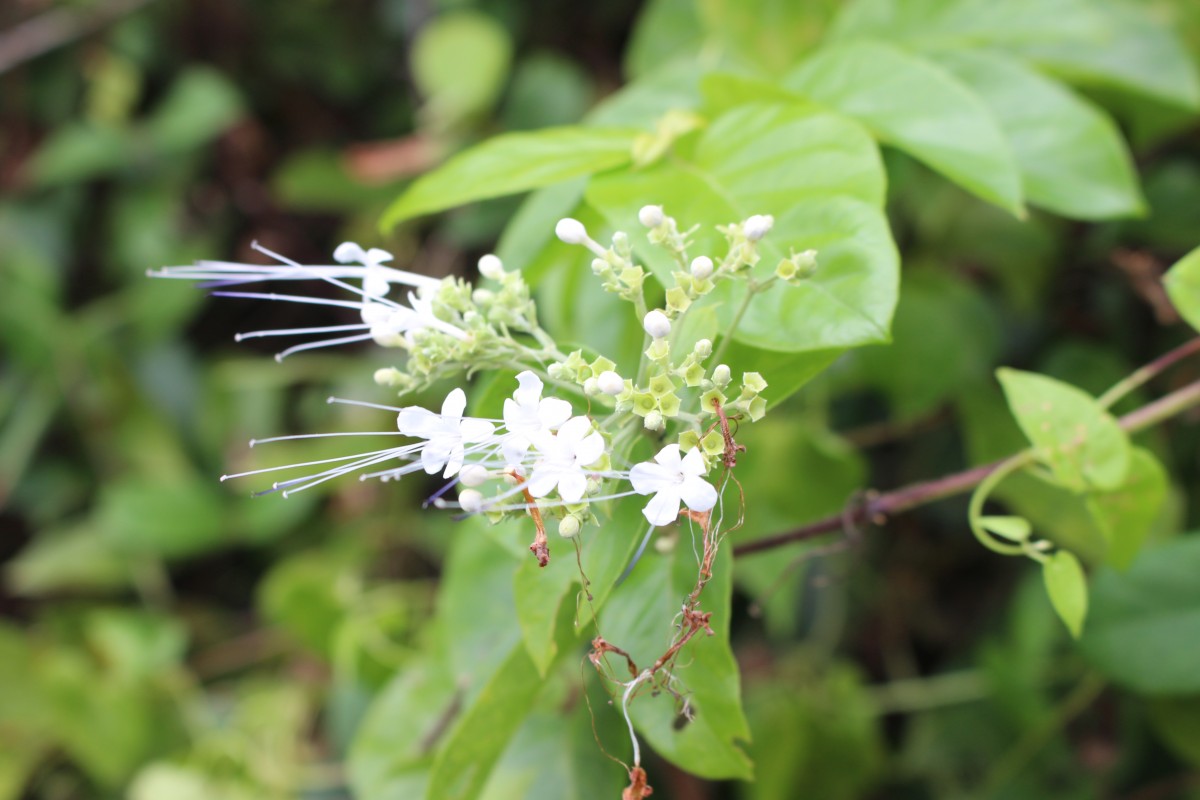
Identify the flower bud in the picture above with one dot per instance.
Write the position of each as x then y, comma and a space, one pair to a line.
471, 500
654, 421
806, 263
702, 267
568, 527
651, 216
757, 226
721, 375
472, 475
703, 348
591, 386
610, 383
482, 296
570, 231
657, 324
491, 267
387, 376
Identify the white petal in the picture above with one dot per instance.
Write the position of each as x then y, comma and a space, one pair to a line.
434, 456
375, 285
698, 494
649, 477
663, 508
349, 253
415, 421
553, 412
571, 486
454, 405
542, 481
669, 457
573, 430
454, 461
589, 450
515, 447
376, 256
693, 464
529, 389
476, 430
374, 313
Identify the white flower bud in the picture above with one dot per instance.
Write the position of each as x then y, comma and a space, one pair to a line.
721, 375
482, 296
491, 267
651, 216
591, 386
571, 231
656, 324
702, 267
611, 383
703, 348
386, 376
568, 527
654, 421
471, 500
472, 475
757, 226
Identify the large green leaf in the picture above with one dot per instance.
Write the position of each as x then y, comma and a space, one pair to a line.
914, 104
1183, 287
820, 176
1072, 158
1106, 43
639, 619
512, 163
1143, 623
1081, 443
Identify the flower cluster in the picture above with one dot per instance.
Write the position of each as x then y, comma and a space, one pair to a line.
542, 457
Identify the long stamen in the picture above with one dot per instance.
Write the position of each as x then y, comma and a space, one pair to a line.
300, 464
281, 355
238, 337
289, 437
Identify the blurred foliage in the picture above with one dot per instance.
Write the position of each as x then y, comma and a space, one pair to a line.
167, 636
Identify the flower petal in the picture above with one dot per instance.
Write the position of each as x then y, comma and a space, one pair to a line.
454, 405
663, 508
435, 455
529, 389
589, 450
454, 461
649, 477
349, 253
415, 421
542, 481
573, 430
698, 494
476, 430
552, 412
693, 464
514, 447
571, 486
376, 256
669, 457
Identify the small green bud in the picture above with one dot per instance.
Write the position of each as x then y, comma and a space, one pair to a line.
703, 348
569, 527
786, 269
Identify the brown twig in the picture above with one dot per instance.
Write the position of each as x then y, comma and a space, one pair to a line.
34, 37
879, 508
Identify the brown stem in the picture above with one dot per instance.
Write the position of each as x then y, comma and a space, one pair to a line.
877, 508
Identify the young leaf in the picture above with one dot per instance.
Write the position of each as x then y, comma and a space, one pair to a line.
1183, 287
1072, 158
512, 163
1016, 529
914, 104
1127, 513
1081, 443
1067, 587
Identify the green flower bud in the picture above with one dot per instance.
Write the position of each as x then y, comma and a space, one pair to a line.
721, 376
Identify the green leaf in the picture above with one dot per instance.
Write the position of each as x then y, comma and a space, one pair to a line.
530, 231
665, 30
1081, 443
512, 163
1067, 587
77, 559
1143, 621
460, 63
919, 107
201, 105
79, 152
1183, 287
820, 176
168, 520
639, 619
1072, 158
1127, 513
1016, 529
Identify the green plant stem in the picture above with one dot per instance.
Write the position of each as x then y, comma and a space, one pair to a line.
752, 288
877, 508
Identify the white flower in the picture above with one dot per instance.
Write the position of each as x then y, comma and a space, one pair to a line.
673, 480
447, 433
757, 226
528, 415
656, 324
701, 267
610, 382
382, 319
571, 231
562, 459
651, 216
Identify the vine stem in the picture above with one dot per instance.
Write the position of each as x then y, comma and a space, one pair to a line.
877, 508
